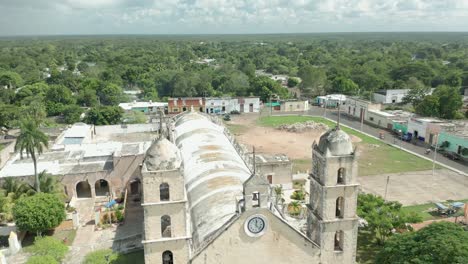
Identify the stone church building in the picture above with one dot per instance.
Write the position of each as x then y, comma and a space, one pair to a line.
202, 203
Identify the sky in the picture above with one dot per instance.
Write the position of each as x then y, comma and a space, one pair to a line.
75, 17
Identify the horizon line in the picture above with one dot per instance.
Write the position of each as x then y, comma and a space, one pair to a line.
228, 34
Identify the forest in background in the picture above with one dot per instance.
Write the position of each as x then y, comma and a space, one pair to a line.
67, 75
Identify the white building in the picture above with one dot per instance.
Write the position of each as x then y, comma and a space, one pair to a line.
392, 96
145, 107
227, 105
331, 100
358, 108
294, 106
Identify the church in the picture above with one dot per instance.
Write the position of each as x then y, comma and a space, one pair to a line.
202, 203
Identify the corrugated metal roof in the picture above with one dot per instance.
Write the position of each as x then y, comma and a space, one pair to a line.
213, 172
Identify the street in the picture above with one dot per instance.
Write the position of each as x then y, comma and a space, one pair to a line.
389, 137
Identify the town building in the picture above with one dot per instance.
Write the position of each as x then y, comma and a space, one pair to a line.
455, 140
390, 96
427, 129
204, 204
277, 169
90, 161
145, 107
358, 108
388, 119
331, 100
228, 104
182, 104
294, 106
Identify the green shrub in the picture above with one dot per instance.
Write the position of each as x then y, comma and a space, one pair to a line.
49, 246
42, 260
119, 215
99, 257
298, 195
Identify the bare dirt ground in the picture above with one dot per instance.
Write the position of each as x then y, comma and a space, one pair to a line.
274, 141
409, 188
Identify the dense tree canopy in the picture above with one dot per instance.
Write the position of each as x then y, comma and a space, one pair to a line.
383, 217
94, 71
38, 213
440, 242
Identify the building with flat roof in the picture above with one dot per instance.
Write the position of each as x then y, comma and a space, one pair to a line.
390, 96
149, 107
358, 108
90, 161
277, 169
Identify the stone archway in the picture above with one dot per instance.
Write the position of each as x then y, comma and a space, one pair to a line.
101, 187
83, 190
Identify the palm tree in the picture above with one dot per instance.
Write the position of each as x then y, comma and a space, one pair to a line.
279, 192
33, 141
294, 208
50, 184
12, 190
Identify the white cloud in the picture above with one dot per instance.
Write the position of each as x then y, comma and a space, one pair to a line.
228, 16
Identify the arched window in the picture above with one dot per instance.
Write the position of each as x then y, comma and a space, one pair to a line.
166, 226
339, 236
167, 257
256, 199
341, 176
339, 207
164, 192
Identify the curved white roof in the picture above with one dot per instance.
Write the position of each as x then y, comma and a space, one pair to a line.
213, 172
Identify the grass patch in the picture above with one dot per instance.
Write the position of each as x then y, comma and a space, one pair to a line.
373, 160
426, 212
137, 257
65, 235
236, 129
301, 165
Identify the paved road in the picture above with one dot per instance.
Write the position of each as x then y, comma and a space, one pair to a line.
389, 138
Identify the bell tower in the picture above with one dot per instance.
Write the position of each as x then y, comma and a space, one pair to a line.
332, 220
166, 229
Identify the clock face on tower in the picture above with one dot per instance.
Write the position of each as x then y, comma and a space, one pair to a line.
255, 225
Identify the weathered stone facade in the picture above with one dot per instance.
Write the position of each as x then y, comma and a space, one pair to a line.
239, 225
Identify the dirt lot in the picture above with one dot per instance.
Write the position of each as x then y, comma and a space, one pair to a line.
274, 141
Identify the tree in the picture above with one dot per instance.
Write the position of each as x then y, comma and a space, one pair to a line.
8, 115
135, 117
110, 94
292, 82
383, 216
12, 190
450, 101
314, 80
440, 242
72, 114
42, 260
278, 193
344, 86
50, 184
417, 92
38, 213
58, 96
32, 141
10, 80
429, 106
104, 115
49, 247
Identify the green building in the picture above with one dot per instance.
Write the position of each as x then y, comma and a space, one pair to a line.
455, 142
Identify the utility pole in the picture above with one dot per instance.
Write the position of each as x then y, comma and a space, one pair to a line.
433, 167
386, 188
